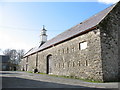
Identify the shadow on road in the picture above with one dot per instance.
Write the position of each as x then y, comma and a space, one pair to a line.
4, 72
14, 82
8, 73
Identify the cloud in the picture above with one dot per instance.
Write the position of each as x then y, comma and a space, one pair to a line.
108, 1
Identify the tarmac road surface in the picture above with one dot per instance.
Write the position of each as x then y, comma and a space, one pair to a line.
18, 79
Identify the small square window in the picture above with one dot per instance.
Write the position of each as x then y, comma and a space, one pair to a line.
83, 45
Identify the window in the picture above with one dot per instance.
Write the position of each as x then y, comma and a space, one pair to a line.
63, 51
73, 64
60, 51
72, 49
82, 45
59, 65
67, 50
86, 63
63, 65
79, 63
68, 64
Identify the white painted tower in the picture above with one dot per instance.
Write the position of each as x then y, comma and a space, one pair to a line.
43, 36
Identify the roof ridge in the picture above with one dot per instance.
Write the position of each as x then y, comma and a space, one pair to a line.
109, 11
86, 20
77, 29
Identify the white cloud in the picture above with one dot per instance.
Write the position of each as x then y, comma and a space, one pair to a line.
108, 1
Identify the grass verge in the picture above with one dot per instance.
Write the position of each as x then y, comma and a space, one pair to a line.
73, 77
70, 77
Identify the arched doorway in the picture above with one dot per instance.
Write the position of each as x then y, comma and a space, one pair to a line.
49, 64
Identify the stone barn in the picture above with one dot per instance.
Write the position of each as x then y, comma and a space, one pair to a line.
89, 50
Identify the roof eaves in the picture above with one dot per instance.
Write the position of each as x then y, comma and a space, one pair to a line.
62, 41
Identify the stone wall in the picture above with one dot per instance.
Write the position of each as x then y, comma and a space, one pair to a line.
29, 63
69, 60
22, 64
32, 62
110, 28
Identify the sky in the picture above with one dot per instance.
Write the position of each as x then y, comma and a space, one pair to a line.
22, 20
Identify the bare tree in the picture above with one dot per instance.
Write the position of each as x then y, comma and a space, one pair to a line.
20, 54
7, 52
15, 55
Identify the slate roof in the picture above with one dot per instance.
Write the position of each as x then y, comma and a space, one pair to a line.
78, 29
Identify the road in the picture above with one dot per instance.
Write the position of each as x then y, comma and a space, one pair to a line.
17, 79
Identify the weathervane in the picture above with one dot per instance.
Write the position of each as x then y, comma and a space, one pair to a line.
43, 26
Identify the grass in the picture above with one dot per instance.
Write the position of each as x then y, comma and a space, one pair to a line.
72, 77
42, 73
29, 71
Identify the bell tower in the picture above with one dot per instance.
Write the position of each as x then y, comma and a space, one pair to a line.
43, 36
